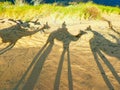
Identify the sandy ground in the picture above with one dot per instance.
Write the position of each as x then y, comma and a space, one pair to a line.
91, 63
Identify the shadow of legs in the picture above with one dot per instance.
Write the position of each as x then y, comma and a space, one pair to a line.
109, 65
69, 71
108, 83
30, 66
57, 79
29, 85
7, 48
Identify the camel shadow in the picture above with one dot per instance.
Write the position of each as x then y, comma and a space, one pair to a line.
100, 44
60, 34
105, 45
12, 34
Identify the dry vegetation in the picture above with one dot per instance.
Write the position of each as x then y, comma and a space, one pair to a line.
79, 11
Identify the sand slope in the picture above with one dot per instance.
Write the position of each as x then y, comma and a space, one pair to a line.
30, 65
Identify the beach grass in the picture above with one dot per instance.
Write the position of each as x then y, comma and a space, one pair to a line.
81, 10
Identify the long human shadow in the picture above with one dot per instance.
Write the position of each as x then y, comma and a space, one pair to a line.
100, 44
60, 34
12, 34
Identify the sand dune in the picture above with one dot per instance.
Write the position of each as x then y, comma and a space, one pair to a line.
91, 63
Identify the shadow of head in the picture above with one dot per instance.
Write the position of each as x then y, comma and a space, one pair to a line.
88, 28
64, 25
